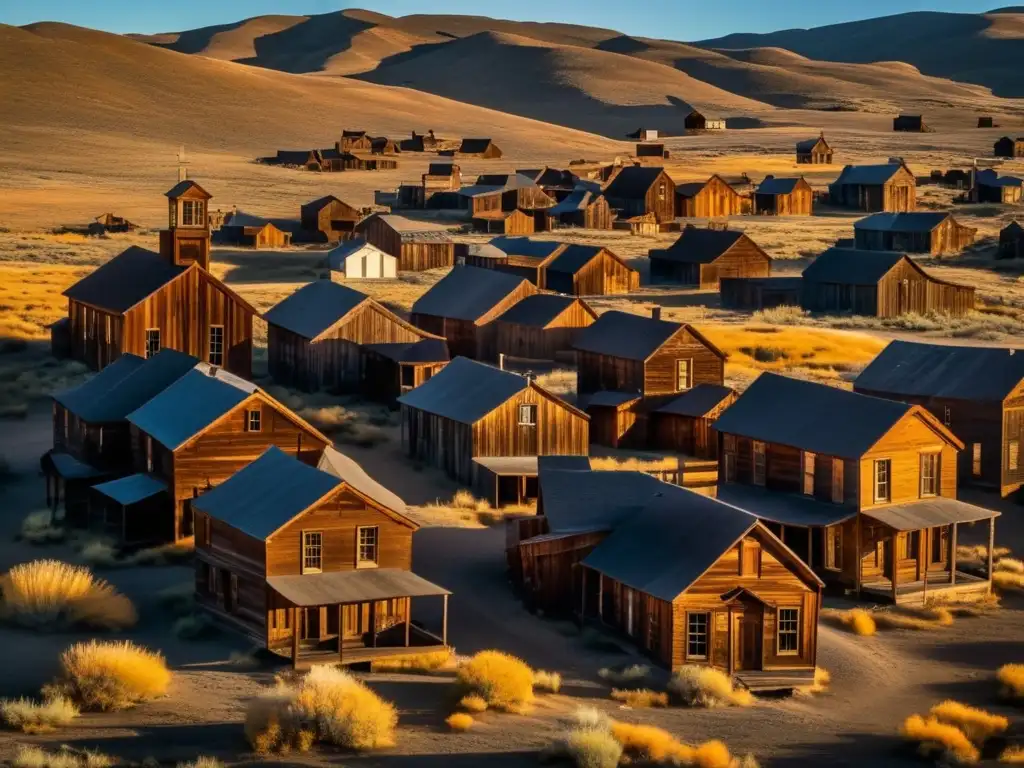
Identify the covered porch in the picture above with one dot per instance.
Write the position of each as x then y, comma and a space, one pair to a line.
68, 480
133, 510
505, 480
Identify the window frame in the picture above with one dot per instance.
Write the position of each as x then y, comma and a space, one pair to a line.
362, 562
690, 634
687, 385
838, 481
152, 333
744, 550
935, 459
219, 344
193, 213
1013, 455
794, 632
530, 409
758, 463
258, 414
808, 467
877, 484
307, 545
832, 562
976, 459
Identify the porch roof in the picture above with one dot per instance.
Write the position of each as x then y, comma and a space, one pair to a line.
509, 465
359, 586
131, 489
70, 468
929, 514
783, 508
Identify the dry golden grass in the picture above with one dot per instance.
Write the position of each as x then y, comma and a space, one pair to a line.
38, 528
652, 745
822, 680
110, 675
547, 681
632, 464
641, 698
421, 663
910, 618
977, 554
629, 675
699, 686
940, 740
560, 381
503, 681
65, 757
50, 594
460, 722
588, 748
1009, 565
30, 298
202, 762
1008, 581
473, 703
1012, 755
1011, 682
30, 716
857, 620
977, 724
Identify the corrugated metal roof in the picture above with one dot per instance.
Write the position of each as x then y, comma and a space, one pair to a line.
525, 466
938, 370
696, 245
850, 266
314, 308
358, 586
929, 513
778, 186
467, 293
131, 489
607, 398
576, 500
812, 417
785, 508
697, 402
125, 280
266, 494
464, 391
537, 310
625, 335
189, 405
915, 221
632, 182
335, 463
868, 175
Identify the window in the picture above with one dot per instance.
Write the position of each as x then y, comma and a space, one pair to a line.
808, 474
730, 467
407, 376
760, 463
976, 459
312, 551
152, 341
883, 490
149, 453
697, 635
907, 545
367, 554
789, 631
1013, 455
750, 559
834, 548
929, 474
193, 213
684, 375
661, 191
527, 415
253, 420
216, 345
231, 596
837, 481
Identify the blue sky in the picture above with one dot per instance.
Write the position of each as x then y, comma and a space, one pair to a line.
672, 19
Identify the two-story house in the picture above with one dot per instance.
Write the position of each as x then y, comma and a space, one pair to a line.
312, 563
194, 434
864, 489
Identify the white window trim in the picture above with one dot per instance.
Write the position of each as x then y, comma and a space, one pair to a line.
937, 455
531, 410
688, 384
249, 413
707, 634
303, 567
778, 632
887, 463
360, 563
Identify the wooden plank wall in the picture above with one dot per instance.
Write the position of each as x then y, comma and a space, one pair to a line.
715, 199
595, 372
660, 370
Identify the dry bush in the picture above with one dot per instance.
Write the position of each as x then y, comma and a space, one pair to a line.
591, 748
547, 681
699, 686
38, 528
977, 724
939, 739
1009, 564
460, 721
99, 553
110, 675
1012, 755
1011, 682
641, 698
632, 674
65, 757
165, 554
856, 620
473, 703
560, 381
49, 594
822, 680
632, 464
202, 762
909, 618
1008, 580
420, 663
975, 556
657, 746
502, 680
30, 716
345, 425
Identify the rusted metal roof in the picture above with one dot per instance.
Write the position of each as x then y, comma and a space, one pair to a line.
358, 586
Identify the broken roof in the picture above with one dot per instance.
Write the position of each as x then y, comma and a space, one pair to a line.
314, 308
465, 391
467, 293
698, 401
916, 221
125, 280
537, 310
632, 337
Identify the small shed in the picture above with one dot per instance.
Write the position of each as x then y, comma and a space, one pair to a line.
1011, 241
244, 229
696, 122
990, 187
482, 148
754, 293
391, 369
354, 140
1008, 147
784, 197
417, 245
579, 270
515, 222
702, 257
581, 208
647, 151
683, 424
382, 145
871, 188
814, 151
636, 190
910, 124
330, 216
109, 222
357, 259
916, 232
543, 326
708, 199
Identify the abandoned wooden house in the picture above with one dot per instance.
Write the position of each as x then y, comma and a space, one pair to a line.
977, 392
754, 293
440, 178
683, 424
358, 260
316, 336
872, 188
481, 148
695, 122
244, 229
990, 187
382, 145
581, 208
354, 141
109, 222
636, 190
298, 158
1009, 147
708, 199
461, 306
879, 284
863, 489
313, 563
651, 151
335, 159
418, 245
91, 436
496, 193
498, 222
814, 151
1011, 241
701, 257
472, 418
557, 183
392, 369
191, 436
332, 217
543, 326
917, 232
910, 124
141, 302
784, 197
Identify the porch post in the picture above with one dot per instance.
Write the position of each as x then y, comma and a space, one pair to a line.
341, 634
895, 563
991, 547
295, 636
444, 623
408, 619
952, 558
373, 624
858, 552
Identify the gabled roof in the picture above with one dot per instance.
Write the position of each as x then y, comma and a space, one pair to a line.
549, 463
81, 399
190, 405
906, 368
577, 501
1013, 228
610, 398
916, 221
632, 337
524, 246
697, 245
426, 350
815, 417
410, 230
465, 391
868, 174
267, 494
125, 280
778, 186
697, 402
187, 185
633, 182
243, 219
538, 310
850, 266
323, 202
337, 256
314, 308
474, 146
809, 144
467, 293
576, 256
335, 463
491, 184
991, 178
577, 200
693, 188
441, 169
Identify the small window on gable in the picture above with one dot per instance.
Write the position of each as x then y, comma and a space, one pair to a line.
253, 420
527, 415
216, 351
152, 341
684, 375
760, 463
1013, 455
750, 558
808, 474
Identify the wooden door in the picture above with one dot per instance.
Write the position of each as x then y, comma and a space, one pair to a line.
939, 546
351, 624
747, 634
311, 624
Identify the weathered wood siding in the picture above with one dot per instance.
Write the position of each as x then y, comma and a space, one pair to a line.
603, 275
693, 436
948, 237
800, 202
716, 198
550, 575
898, 195
537, 343
412, 255
659, 200
660, 368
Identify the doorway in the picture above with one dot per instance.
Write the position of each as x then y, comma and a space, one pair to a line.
311, 624
747, 638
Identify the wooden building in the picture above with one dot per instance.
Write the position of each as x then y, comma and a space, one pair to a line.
709, 199
481, 148
910, 124
245, 230
500, 222
651, 151
187, 237
814, 151
683, 424
313, 563
358, 260
917, 232
636, 190
354, 141
976, 392
316, 336
581, 208
109, 222
417, 245
753, 293
696, 122
543, 326
990, 187
861, 488
498, 192
298, 158
872, 188
470, 412
392, 369
440, 177
332, 217
1009, 147
701, 257
191, 436
461, 306
784, 197
879, 284
1011, 241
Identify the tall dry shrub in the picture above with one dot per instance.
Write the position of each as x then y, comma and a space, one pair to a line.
110, 675
504, 682
48, 594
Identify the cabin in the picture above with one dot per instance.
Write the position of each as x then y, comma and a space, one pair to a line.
581, 208
990, 187
709, 199
873, 188
702, 257
863, 489
1009, 147
650, 151
918, 232
879, 284
419, 142
498, 222
332, 217
543, 326
784, 197
976, 392
556, 183
683, 424
358, 260
109, 222
461, 306
472, 418
315, 337
814, 151
392, 369
245, 230
440, 177
754, 293
140, 301
299, 158
481, 148
192, 435
417, 245
354, 141
695, 122
636, 190
910, 124
496, 193
313, 563
91, 435
382, 145
1011, 241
